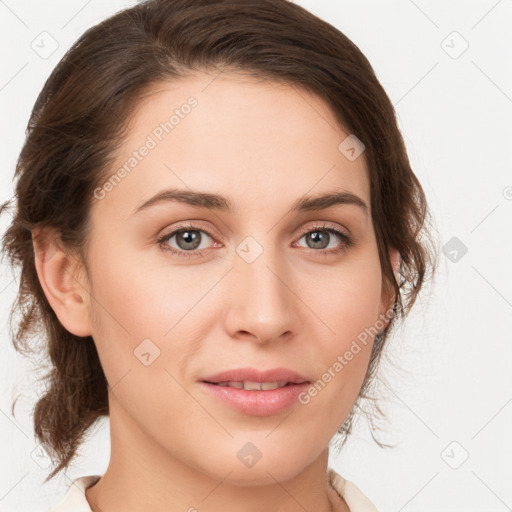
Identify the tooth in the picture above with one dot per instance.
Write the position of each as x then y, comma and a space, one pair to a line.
248, 385
269, 385
252, 386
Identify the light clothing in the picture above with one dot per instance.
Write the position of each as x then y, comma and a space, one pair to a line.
350, 492
75, 501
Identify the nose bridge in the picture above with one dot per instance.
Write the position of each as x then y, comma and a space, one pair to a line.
262, 303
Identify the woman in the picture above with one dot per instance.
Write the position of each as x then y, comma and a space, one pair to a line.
217, 226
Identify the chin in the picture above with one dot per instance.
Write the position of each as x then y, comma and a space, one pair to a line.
249, 466
264, 475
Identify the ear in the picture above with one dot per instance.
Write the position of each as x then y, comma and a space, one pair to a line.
395, 259
388, 297
60, 274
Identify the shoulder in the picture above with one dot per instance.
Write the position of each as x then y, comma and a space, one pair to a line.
74, 499
355, 498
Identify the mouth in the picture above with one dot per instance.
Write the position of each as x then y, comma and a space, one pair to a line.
256, 392
253, 386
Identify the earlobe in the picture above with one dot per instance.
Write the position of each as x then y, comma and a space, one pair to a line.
58, 273
394, 256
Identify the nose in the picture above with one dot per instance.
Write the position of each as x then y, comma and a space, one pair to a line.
261, 304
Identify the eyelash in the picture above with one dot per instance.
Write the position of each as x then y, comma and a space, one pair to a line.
347, 241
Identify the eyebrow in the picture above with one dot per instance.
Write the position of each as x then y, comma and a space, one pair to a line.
220, 203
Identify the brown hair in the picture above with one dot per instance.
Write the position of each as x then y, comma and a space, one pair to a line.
80, 117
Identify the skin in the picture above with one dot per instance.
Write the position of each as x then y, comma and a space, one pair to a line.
173, 447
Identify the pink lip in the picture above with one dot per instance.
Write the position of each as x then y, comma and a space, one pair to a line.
257, 403
254, 402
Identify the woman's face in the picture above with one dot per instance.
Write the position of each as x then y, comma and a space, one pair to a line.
253, 281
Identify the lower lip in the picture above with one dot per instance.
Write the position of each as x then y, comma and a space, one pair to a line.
257, 403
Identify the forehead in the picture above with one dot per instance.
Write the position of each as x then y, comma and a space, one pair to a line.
230, 134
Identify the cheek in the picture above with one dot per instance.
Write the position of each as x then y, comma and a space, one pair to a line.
142, 297
348, 309
143, 337
152, 320
133, 312
347, 300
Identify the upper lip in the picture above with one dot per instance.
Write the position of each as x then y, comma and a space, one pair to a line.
255, 375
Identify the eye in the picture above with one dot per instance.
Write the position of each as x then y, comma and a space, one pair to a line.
319, 238
188, 239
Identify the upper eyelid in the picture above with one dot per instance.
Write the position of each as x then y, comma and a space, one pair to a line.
324, 225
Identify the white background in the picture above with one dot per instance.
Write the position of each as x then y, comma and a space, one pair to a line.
451, 378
